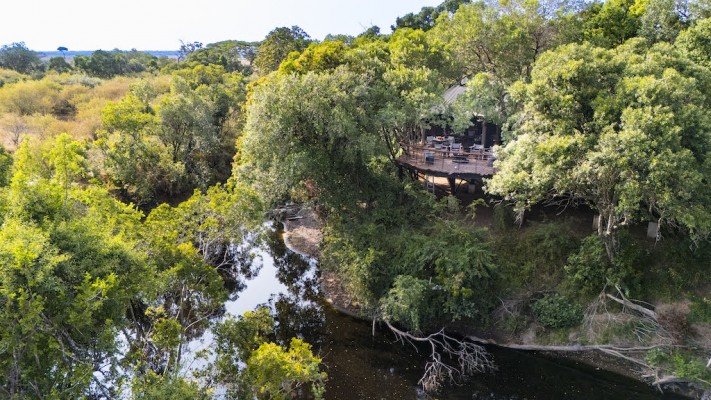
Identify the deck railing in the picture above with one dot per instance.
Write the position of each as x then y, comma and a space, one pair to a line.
447, 161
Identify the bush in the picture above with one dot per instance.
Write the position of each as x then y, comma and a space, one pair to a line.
700, 311
534, 257
504, 217
556, 311
589, 270
683, 365
409, 303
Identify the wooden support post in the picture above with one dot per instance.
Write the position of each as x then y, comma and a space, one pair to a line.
483, 134
452, 185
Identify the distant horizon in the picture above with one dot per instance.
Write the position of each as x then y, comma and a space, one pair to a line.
93, 50
138, 24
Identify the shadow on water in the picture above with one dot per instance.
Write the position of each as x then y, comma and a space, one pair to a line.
364, 366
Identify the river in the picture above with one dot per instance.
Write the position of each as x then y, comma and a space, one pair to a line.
363, 366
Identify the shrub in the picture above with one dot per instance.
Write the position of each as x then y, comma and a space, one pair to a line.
409, 303
680, 364
589, 270
503, 217
555, 311
700, 311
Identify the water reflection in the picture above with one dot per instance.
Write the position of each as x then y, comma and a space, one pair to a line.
363, 366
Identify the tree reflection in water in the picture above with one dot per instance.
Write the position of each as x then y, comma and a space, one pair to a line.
361, 365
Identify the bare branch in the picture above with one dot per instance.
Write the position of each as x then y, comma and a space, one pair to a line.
467, 358
632, 306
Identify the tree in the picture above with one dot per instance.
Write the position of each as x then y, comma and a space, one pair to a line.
625, 131
18, 57
695, 42
318, 57
58, 64
322, 126
613, 22
66, 157
233, 55
277, 373
662, 20
277, 45
26, 98
426, 18
186, 49
70, 270
250, 364
107, 64
186, 125
63, 50
102, 64
502, 38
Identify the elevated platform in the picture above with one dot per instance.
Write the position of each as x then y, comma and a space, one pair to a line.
448, 164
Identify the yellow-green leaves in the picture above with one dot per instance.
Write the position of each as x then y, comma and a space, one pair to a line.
626, 130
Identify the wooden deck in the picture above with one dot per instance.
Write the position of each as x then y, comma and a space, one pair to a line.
445, 163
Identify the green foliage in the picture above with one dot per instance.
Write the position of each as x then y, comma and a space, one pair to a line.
696, 42
409, 302
318, 57
612, 23
59, 65
274, 372
555, 311
313, 128
700, 311
504, 218
30, 97
152, 386
691, 368
249, 364
589, 270
277, 46
184, 141
499, 38
70, 271
236, 339
448, 263
107, 64
18, 57
612, 128
657, 357
676, 265
228, 54
661, 20
533, 257
681, 364
5, 167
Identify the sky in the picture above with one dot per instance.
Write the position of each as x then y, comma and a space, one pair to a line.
45, 25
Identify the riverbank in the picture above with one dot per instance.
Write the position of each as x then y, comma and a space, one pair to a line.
303, 234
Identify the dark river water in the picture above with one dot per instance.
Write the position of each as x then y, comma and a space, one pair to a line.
361, 365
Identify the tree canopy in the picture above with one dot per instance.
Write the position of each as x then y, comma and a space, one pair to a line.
615, 129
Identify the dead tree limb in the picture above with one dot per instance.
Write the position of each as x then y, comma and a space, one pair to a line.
632, 306
467, 357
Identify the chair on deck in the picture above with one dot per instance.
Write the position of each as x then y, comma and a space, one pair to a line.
456, 147
429, 157
430, 140
438, 146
